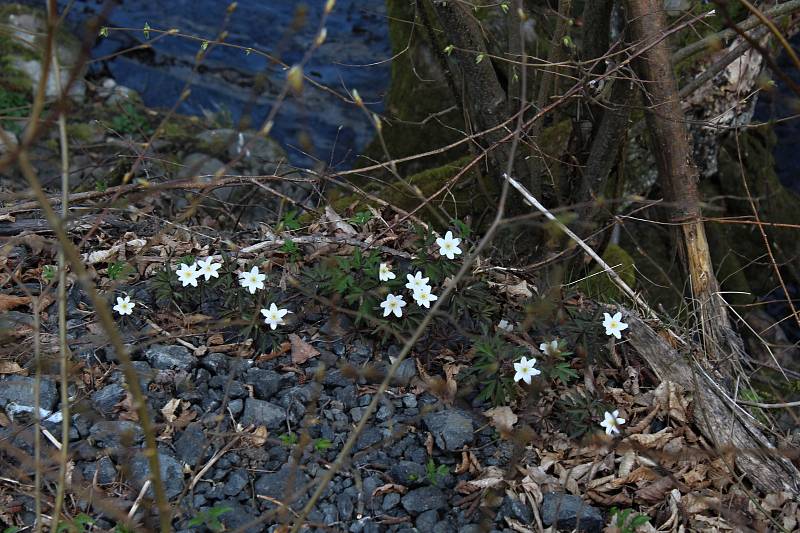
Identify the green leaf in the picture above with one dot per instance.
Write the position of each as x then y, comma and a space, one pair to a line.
104, 31
289, 221
362, 217
117, 269
146, 30
478, 58
449, 49
204, 45
639, 520
322, 444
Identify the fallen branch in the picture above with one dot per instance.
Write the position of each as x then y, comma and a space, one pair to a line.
716, 413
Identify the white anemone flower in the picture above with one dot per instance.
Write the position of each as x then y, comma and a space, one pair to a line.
423, 297
273, 316
124, 306
525, 370
611, 422
208, 268
614, 324
448, 246
393, 304
252, 280
549, 348
385, 272
416, 282
505, 325
188, 274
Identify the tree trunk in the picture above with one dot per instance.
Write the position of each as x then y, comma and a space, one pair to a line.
483, 97
678, 175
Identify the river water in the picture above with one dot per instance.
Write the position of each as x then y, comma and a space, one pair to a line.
317, 126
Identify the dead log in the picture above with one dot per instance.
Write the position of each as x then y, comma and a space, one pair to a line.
719, 418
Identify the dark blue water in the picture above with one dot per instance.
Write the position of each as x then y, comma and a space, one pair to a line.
336, 131
777, 104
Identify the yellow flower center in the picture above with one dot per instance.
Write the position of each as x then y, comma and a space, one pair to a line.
614, 324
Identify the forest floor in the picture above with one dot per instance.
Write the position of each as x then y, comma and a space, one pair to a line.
248, 419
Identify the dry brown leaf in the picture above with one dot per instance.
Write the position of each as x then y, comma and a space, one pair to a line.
259, 436
655, 492
502, 418
654, 441
4, 421
10, 367
127, 411
216, 339
469, 463
8, 301
169, 410
301, 350
516, 525
490, 477
187, 415
390, 487
673, 400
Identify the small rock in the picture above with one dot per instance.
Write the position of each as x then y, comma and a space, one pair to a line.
407, 473
164, 357
19, 390
236, 482
390, 501
566, 511
369, 437
424, 499
450, 428
276, 485
406, 371
515, 509
444, 527
425, 521
116, 433
105, 399
170, 469
238, 516
106, 473
345, 506
263, 413
191, 445
265, 382
216, 363
236, 406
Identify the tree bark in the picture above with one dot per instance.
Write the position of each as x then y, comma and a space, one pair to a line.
483, 97
678, 175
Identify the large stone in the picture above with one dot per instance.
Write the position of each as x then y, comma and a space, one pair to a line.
19, 390
170, 469
424, 499
565, 511
28, 27
263, 413
170, 357
451, 429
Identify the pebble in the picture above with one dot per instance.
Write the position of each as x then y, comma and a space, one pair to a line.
451, 429
566, 511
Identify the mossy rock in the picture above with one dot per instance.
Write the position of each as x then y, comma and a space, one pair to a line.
16, 46
418, 91
600, 286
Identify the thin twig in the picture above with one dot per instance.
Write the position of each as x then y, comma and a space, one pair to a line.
588, 249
